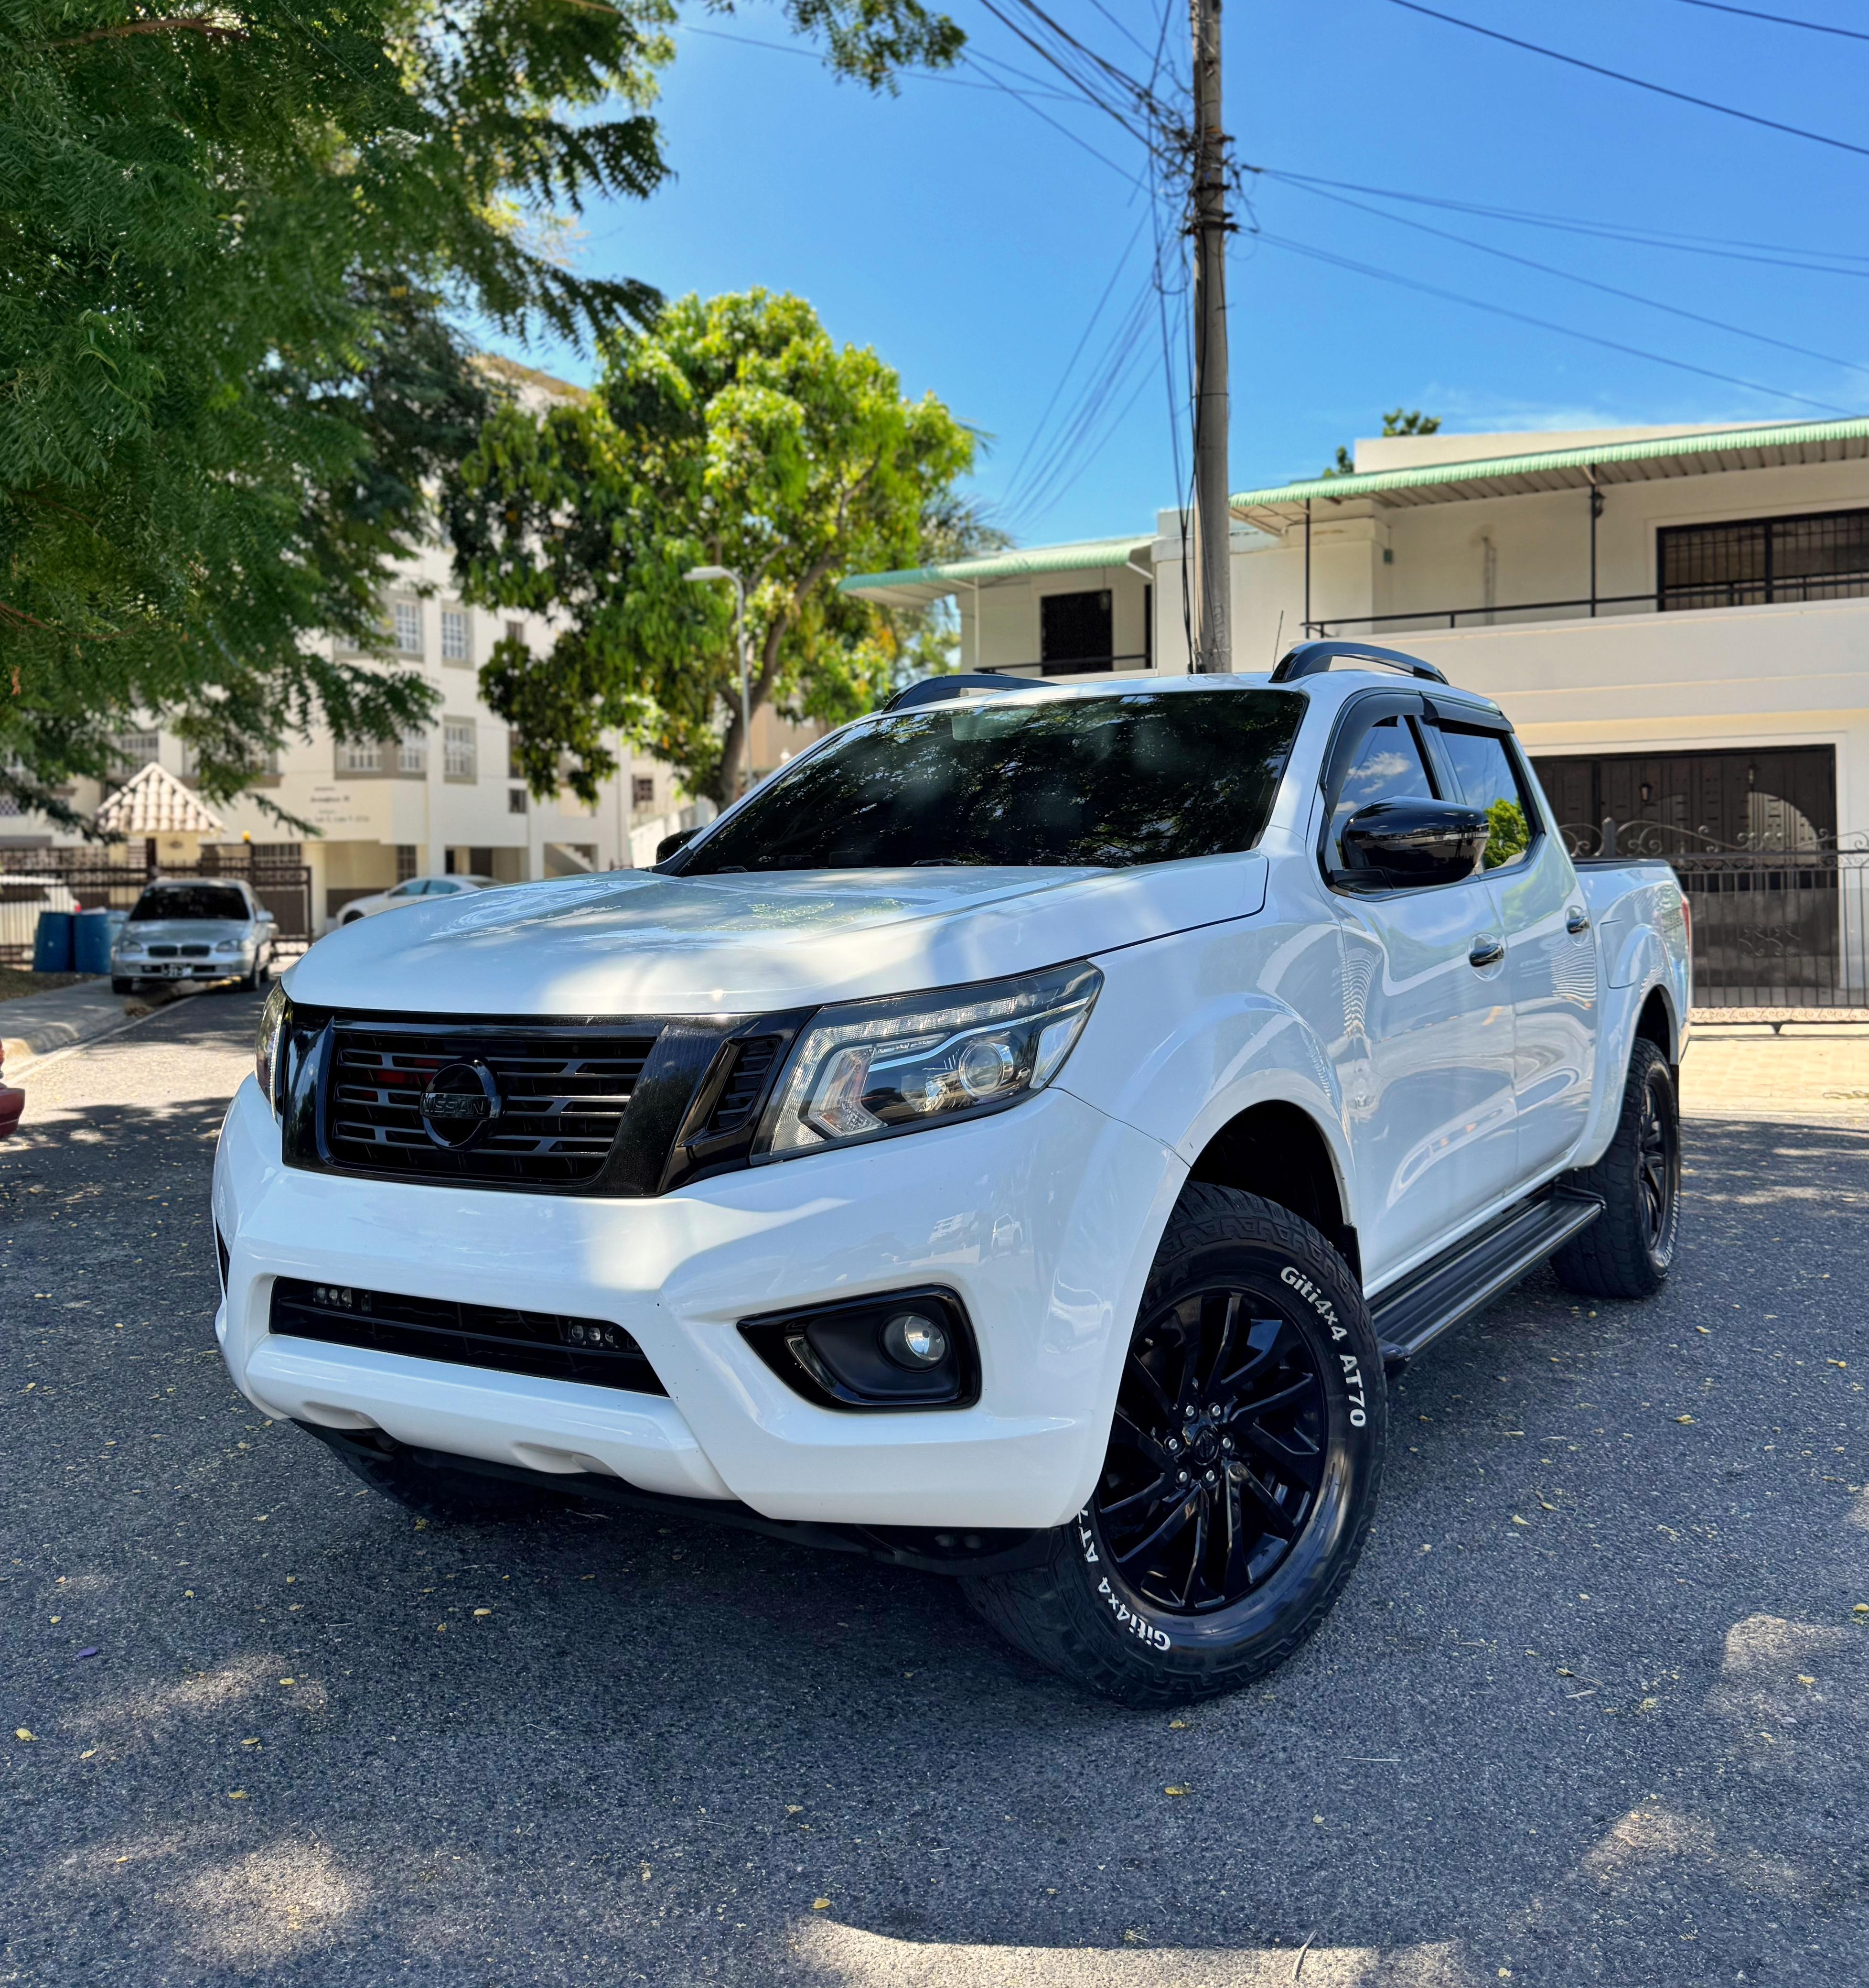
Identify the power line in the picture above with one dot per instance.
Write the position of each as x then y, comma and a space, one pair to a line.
1690, 244
1122, 263
1617, 75
1543, 324
1571, 276
1779, 20
814, 56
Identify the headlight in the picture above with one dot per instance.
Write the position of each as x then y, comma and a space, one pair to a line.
875, 1067
232, 944
270, 1044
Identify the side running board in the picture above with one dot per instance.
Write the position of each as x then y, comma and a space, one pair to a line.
1458, 1283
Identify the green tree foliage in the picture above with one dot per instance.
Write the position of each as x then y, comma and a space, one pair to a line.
231, 242
1395, 422
734, 433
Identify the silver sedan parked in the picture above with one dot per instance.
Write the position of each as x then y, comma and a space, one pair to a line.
194, 928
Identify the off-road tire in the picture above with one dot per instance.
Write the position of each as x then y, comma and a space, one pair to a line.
1078, 1614
1629, 1250
448, 1494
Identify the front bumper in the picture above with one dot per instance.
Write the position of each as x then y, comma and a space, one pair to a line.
1044, 1218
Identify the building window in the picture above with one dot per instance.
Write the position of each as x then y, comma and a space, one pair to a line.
458, 741
405, 861
412, 753
457, 643
360, 755
642, 790
1075, 633
1823, 556
137, 749
516, 632
406, 626
516, 800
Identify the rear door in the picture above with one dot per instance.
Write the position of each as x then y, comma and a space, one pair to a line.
1550, 951
1426, 1058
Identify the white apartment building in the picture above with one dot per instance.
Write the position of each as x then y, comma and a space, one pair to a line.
1675, 619
444, 800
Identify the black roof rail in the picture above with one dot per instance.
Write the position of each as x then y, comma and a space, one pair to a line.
1311, 659
938, 690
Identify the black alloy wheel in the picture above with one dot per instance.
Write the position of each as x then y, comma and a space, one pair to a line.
1659, 1164
1217, 1454
1629, 1250
1241, 1472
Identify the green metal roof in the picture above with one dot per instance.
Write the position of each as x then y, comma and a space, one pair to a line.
915, 586
1780, 442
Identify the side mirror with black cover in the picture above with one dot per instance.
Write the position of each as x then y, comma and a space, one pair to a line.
1402, 843
670, 843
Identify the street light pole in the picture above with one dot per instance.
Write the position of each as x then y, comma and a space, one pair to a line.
709, 572
1213, 636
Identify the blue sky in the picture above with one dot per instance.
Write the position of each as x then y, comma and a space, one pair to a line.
969, 241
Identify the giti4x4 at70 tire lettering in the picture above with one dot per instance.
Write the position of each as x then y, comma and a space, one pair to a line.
1241, 1472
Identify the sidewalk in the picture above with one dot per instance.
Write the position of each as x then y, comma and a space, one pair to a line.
36, 1024
1808, 1071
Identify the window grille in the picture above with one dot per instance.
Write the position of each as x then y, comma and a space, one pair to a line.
458, 744
516, 800
412, 753
405, 861
360, 755
137, 749
456, 647
406, 626
1746, 562
642, 790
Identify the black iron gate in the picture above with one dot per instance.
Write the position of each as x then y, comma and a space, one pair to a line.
1773, 928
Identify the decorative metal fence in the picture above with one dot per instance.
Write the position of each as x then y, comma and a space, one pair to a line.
1773, 928
87, 878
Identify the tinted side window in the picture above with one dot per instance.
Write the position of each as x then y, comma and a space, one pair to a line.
1488, 780
1388, 767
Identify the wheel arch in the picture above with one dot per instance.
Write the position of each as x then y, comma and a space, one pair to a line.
1278, 1151
1656, 1023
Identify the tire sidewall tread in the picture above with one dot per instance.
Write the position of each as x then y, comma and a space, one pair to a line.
1067, 1615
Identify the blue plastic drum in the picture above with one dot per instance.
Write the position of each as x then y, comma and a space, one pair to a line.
92, 932
51, 942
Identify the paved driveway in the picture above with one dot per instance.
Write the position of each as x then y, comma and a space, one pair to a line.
1592, 1710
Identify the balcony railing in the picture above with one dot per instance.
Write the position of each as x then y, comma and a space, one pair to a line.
1687, 598
1075, 666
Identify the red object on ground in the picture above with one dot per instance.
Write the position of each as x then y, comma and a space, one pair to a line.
12, 1103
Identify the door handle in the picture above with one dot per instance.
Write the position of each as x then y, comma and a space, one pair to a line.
1486, 951
1576, 920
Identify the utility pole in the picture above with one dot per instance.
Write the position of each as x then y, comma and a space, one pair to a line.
1213, 625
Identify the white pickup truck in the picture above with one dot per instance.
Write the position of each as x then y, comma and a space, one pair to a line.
1014, 1141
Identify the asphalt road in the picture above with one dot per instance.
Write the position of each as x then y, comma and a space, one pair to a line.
1592, 1709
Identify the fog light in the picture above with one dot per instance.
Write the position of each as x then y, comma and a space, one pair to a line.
985, 1068
913, 1340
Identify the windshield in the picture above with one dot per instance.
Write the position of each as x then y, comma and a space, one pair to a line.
191, 900
1142, 775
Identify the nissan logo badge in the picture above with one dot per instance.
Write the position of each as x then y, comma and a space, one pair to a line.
460, 1100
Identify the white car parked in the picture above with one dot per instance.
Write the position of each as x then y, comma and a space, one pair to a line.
1013, 1141
194, 928
411, 890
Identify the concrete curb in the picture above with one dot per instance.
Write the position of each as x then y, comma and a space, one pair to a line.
39, 1025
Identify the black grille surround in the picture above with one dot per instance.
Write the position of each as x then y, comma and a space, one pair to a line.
549, 1344
599, 1105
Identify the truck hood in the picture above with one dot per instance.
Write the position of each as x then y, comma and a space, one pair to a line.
632, 942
